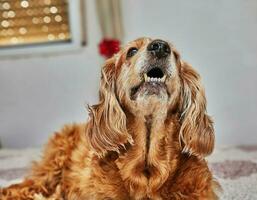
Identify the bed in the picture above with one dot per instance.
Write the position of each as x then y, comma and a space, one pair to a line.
234, 167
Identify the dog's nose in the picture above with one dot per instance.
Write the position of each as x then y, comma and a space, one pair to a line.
159, 48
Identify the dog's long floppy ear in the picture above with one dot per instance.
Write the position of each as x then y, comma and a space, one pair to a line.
196, 133
107, 127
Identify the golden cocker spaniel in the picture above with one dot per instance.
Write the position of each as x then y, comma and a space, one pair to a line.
145, 139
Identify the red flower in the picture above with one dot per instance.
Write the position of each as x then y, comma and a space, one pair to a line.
108, 47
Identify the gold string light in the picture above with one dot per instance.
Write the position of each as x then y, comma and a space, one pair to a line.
33, 21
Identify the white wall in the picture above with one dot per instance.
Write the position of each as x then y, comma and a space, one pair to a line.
40, 94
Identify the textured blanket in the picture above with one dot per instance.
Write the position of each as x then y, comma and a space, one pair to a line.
234, 167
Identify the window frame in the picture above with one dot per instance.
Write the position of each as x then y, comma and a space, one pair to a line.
75, 43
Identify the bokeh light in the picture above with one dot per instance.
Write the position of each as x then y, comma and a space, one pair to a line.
33, 21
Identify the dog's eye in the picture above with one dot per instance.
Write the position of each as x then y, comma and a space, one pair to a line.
131, 52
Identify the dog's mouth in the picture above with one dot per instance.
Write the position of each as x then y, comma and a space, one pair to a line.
153, 81
156, 74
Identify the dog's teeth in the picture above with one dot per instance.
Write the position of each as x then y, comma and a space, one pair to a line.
145, 77
163, 78
159, 80
155, 79
148, 79
152, 79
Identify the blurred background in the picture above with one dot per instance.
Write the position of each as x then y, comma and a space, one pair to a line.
50, 61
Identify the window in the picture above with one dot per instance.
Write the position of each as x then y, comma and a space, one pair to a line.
28, 25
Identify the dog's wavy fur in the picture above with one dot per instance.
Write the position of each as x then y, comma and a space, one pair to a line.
123, 152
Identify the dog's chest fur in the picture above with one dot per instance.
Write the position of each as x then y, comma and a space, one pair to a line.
147, 164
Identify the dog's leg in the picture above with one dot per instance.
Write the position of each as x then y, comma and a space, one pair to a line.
46, 174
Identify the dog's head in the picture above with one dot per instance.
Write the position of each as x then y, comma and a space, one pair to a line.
148, 77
